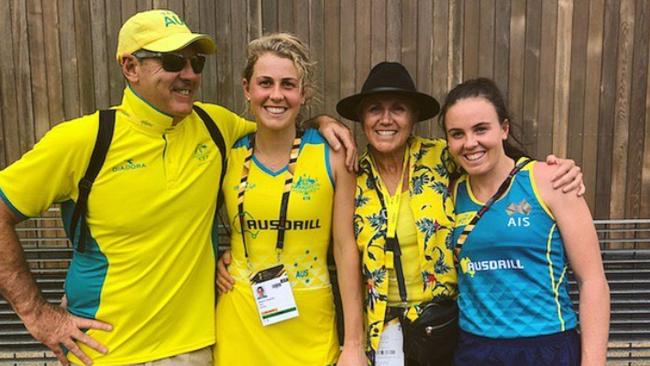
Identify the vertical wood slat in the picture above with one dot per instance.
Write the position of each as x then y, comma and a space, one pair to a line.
606, 112
409, 33
23, 77
455, 50
115, 78
472, 31
331, 16
223, 55
37, 67
441, 58
486, 35
501, 44
645, 168
394, 30
238, 50
317, 43
562, 77
254, 19
377, 31
301, 13
592, 101
53, 64
577, 80
192, 19
100, 54
516, 62
8, 100
636, 120
286, 19
347, 71
69, 69
209, 75
422, 74
531, 74
546, 84
622, 108
85, 60
270, 18
363, 59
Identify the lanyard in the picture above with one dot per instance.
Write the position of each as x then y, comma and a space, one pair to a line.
295, 150
392, 209
472, 224
392, 242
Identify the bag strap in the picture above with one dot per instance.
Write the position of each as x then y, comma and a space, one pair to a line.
98, 157
392, 244
217, 137
502, 189
102, 143
218, 140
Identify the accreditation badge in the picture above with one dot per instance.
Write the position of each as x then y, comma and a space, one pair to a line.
390, 351
273, 295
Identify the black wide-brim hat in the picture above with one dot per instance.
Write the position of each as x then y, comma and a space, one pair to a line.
389, 77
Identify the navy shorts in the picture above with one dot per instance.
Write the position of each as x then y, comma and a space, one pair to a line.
559, 349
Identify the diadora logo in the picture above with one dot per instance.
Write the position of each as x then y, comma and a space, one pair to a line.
467, 266
129, 165
306, 185
518, 214
249, 186
201, 152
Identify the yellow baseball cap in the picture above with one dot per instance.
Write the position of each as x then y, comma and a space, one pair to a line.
159, 30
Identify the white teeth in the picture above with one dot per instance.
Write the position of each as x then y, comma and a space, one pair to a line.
474, 156
183, 91
386, 133
275, 109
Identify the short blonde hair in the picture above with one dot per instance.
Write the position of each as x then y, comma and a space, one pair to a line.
287, 46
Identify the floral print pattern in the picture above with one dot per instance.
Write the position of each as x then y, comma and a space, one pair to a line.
433, 211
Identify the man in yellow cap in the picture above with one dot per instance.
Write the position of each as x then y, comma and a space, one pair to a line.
140, 286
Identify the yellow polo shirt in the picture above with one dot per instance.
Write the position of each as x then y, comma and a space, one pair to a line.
148, 268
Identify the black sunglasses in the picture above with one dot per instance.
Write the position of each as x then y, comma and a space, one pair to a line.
173, 62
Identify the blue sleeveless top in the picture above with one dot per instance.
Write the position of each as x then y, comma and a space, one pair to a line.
512, 278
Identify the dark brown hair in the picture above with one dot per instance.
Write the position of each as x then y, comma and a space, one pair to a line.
485, 88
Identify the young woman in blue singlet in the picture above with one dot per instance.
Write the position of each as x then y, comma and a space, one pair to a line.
287, 195
513, 260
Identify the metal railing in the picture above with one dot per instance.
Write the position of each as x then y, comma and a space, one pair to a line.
625, 246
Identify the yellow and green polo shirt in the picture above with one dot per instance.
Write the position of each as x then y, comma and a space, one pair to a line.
148, 268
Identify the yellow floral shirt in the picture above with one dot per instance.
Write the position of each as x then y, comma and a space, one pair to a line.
433, 210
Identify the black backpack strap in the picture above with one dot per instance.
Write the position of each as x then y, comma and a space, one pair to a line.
217, 137
102, 143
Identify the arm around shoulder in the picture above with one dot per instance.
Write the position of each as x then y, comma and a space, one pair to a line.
583, 252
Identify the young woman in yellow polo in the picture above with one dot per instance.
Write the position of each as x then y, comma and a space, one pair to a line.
287, 195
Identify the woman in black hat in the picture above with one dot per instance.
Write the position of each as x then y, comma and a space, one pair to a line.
403, 221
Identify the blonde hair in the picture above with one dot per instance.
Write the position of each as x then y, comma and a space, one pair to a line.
287, 46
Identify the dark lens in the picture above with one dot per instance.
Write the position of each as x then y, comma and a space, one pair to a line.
172, 62
197, 63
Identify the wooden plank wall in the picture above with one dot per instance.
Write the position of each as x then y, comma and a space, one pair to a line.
575, 71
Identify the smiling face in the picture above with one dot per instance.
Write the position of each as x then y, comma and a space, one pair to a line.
475, 135
387, 122
275, 91
170, 92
